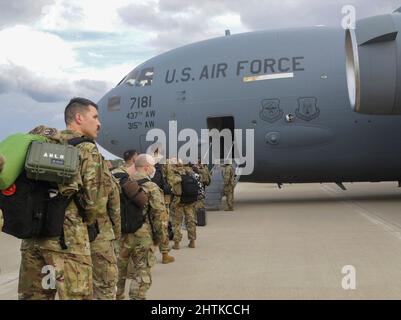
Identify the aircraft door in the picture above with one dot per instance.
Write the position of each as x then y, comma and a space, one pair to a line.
222, 124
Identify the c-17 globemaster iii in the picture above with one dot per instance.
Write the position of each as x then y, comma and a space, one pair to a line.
295, 88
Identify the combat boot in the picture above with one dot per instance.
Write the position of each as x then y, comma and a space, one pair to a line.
176, 245
191, 244
167, 259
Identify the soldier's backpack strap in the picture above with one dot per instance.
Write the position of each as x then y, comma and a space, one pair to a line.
75, 142
122, 177
93, 229
78, 140
141, 182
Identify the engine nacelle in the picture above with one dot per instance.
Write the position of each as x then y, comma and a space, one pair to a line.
373, 64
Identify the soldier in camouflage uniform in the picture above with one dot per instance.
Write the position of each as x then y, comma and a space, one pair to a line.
181, 210
164, 246
129, 163
205, 177
127, 168
137, 248
119, 243
1, 212
69, 257
105, 270
228, 176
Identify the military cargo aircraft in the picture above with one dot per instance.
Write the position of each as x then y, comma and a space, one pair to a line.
296, 88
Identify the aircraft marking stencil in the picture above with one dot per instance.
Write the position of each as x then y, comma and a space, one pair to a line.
307, 109
270, 110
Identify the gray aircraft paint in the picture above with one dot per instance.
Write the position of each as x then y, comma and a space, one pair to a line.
325, 142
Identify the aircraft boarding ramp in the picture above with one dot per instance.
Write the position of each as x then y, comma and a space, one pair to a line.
214, 192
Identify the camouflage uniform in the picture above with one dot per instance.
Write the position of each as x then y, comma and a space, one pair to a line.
181, 210
105, 271
116, 242
169, 173
228, 176
164, 246
204, 173
72, 265
137, 248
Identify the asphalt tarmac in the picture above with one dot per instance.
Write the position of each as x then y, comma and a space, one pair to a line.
305, 241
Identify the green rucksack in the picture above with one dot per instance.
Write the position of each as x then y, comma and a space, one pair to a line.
14, 149
33, 207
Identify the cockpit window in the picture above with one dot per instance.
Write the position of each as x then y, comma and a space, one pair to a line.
140, 78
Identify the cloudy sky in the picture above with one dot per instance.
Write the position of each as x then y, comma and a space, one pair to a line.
52, 50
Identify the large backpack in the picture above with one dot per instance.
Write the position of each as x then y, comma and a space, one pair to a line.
160, 180
190, 189
35, 209
133, 200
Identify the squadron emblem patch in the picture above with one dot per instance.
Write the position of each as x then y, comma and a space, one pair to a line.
270, 110
307, 109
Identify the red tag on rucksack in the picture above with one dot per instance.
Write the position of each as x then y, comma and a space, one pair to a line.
10, 191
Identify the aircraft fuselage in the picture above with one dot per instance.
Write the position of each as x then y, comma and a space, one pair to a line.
288, 85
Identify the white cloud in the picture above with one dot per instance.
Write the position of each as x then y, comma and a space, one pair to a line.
232, 20
41, 52
87, 15
95, 55
21, 11
112, 74
19, 79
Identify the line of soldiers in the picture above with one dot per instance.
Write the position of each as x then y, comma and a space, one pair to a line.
87, 267
136, 255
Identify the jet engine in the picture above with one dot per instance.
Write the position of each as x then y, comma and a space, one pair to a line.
373, 64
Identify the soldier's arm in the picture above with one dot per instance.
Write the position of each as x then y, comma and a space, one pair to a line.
157, 210
171, 177
174, 179
92, 177
113, 208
